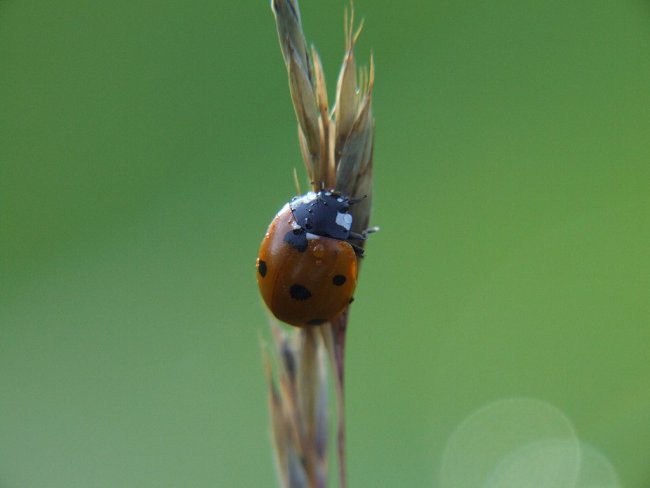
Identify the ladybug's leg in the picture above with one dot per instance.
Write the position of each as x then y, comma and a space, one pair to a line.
364, 235
357, 250
357, 237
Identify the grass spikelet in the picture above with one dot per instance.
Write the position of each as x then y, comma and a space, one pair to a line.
337, 148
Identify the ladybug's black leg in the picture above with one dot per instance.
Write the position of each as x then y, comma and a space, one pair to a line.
364, 235
357, 250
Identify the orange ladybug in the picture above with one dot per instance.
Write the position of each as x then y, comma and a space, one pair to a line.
307, 263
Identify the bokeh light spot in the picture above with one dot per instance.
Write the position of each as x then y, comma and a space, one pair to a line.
496, 442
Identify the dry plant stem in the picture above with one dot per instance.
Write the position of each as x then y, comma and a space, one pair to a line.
298, 405
337, 331
337, 148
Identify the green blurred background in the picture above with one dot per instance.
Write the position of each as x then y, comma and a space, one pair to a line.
145, 146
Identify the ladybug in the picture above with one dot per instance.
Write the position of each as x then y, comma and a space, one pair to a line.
307, 263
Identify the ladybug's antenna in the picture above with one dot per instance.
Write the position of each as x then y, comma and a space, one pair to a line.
352, 201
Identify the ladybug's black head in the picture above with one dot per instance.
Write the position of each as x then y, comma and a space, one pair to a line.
323, 214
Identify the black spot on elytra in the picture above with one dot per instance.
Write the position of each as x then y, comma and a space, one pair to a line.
299, 292
338, 280
316, 321
297, 239
261, 267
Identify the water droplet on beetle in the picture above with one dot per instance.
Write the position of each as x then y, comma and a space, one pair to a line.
319, 251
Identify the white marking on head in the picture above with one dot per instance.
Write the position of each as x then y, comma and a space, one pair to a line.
344, 220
